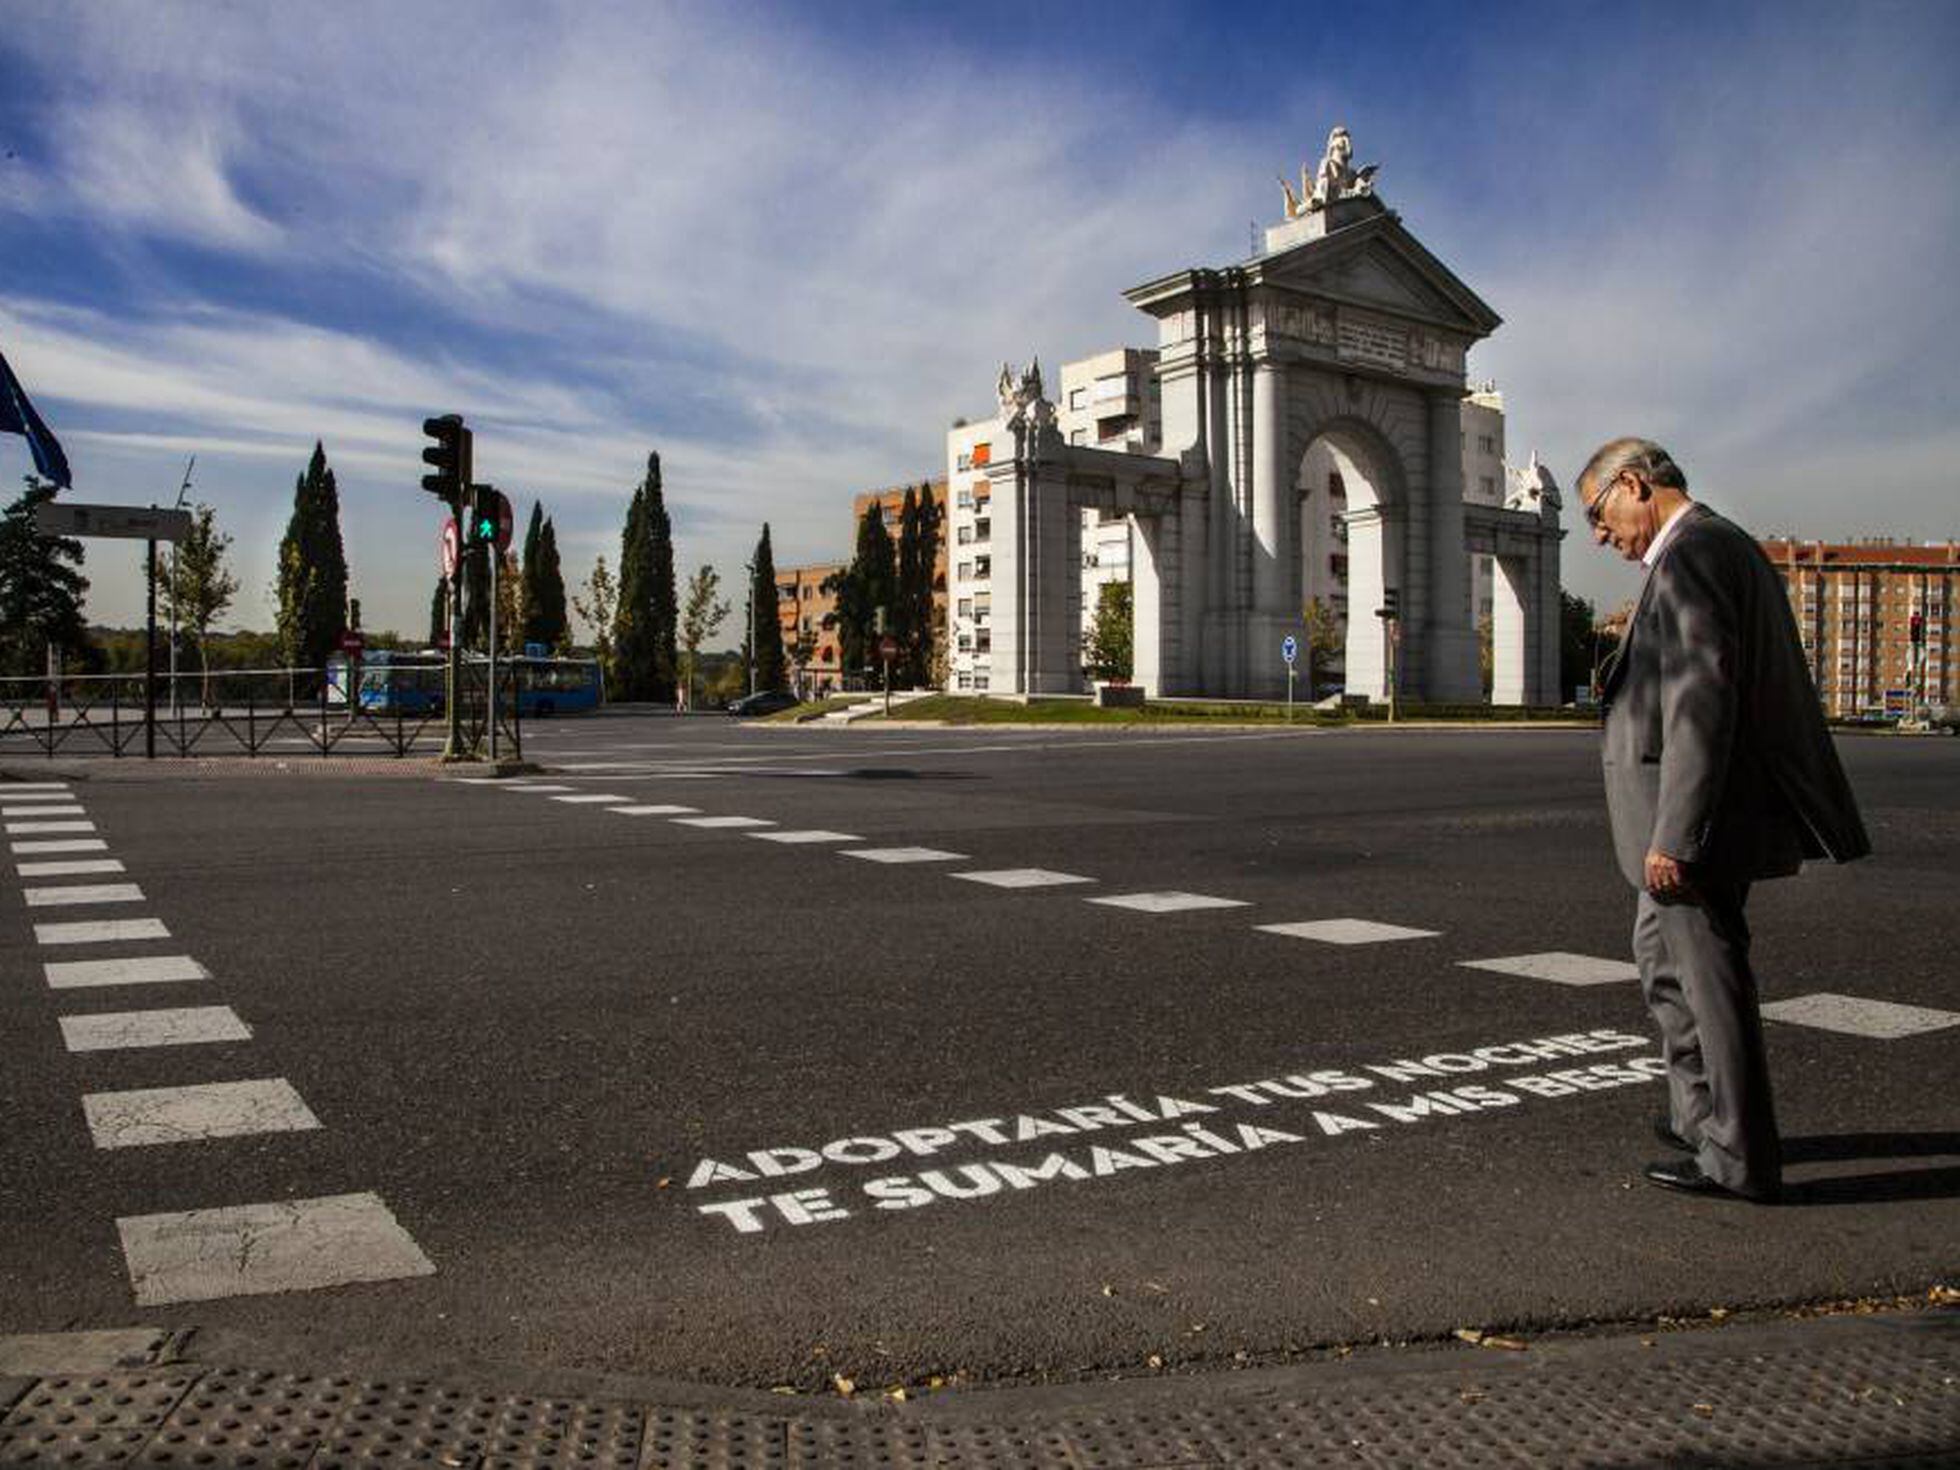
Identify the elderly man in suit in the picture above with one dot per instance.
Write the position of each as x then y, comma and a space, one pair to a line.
1719, 772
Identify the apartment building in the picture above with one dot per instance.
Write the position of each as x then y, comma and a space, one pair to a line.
806, 615
967, 541
1877, 621
1486, 481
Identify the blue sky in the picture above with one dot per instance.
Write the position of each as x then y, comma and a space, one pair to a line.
787, 245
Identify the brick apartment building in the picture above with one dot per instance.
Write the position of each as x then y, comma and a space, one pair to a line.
1877, 621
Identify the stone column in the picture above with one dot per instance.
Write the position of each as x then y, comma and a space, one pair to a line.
1449, 642
1270, 483
1513, 655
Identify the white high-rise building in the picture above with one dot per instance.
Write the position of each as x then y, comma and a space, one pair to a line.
1109, 401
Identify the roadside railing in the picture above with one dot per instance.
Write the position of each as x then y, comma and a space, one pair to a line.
251, 712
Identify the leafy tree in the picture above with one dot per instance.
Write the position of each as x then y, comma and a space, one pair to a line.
1487, 653
768, 652
1107, 649
549, 619
475, 572
312, 586
699, 620
1322, 641
596, 604
199, 586
1575, 642
40, 588
511, 610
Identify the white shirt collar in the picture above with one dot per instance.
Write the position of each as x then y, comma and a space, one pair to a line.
1664, 535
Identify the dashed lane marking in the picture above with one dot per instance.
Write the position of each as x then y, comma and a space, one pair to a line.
23, 829
656, 810
1881, 1020
904, 855
1560, 967
808, 834
155, 1115
100, 931
154, 969
540, 788
74, 869
59, 844
251, 1250
721, 822
587, 798
45, 898
1346, 931
183, 1026
1168, 903
1023, 878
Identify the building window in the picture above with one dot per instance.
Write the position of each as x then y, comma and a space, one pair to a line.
1488, 485
982, 529
965, 573
964, 535
983, 566
983, 641
980, 683
1487, 444
1077, 397
963, 498
964, 680
966, 607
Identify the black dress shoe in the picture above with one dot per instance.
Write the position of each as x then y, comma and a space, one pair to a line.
1664, 1131
1685, 1175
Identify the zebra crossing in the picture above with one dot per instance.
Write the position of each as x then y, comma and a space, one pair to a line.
227, 1248
1846, 1014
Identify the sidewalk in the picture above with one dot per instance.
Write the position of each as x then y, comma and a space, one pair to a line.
1874, 1390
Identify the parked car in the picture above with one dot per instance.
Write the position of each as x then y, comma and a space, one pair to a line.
763, 702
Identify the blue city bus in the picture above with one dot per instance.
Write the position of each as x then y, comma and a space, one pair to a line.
557, 686
393, 681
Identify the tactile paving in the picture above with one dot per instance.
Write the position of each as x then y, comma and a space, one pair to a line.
89, 1420
677, 1439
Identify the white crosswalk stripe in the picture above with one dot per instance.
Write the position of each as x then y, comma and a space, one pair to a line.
652, 811
74, 869
589, 798
155, 969
59, 844
1345, 931
100, 931
1560, 967
26, 829
904, 855
11, 789
181, 1026
1022, 878
250, 1250
1881, 1020
1169, 902
65, 810
76, 893
159, 1115
807, 834
724, 822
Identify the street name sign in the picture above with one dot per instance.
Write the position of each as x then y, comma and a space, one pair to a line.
128, 522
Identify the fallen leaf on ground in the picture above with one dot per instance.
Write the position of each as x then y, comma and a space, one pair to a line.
1470, 1335
1154, 1361
1707, 1411
844, 1385
1509, 1344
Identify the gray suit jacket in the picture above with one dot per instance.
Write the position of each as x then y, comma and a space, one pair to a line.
1715, 747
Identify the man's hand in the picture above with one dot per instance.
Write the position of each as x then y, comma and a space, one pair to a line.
1667, 878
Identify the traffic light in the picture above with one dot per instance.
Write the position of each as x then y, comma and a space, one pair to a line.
1391, 607
450, 454
489, 519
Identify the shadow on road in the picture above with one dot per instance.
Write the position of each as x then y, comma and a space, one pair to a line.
1872, 1188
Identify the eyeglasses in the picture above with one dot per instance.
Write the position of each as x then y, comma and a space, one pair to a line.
1595, 512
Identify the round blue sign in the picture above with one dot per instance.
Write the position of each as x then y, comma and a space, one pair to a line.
1289, 648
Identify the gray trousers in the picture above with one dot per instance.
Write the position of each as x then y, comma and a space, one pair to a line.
1694, 972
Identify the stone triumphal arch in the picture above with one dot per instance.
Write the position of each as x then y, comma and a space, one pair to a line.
1311, 428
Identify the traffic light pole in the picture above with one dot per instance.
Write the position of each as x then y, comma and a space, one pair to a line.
490, 707
452, 748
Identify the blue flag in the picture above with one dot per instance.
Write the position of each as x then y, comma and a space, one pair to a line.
17, 416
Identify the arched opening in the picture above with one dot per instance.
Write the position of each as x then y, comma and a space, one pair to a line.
1350, 523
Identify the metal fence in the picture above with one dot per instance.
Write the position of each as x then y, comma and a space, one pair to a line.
253, 712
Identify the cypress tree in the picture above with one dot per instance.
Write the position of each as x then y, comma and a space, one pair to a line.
439, 612
632, 638
312, 568
528, 570
40, 588
923, 615
552, 625
905, 602
863, 589
768, 654
663, 601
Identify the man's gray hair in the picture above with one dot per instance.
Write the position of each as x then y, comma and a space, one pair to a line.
1643, 456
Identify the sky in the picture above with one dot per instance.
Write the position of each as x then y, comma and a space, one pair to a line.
786, 245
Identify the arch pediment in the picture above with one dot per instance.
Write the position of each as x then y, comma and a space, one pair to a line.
1380, 266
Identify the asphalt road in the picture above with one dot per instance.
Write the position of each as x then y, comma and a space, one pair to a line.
552, 1038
